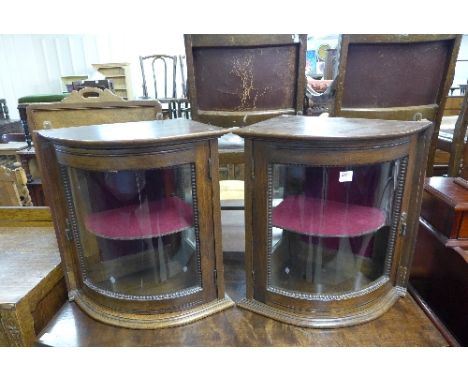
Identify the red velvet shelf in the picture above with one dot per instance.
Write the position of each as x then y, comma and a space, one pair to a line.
157, 218
326, 218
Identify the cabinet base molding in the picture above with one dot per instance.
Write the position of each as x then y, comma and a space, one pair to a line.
372, 311
150, 321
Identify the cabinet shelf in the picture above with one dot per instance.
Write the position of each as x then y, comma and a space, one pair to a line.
158, 218
326, 218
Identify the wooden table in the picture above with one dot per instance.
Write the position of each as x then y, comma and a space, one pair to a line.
10, 126
404, 324
32, 287
11, 148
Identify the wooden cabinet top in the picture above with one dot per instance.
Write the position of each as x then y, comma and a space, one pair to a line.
444, 188
318, 128
133, 134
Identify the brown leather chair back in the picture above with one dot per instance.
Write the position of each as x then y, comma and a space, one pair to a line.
237, 80
400, 77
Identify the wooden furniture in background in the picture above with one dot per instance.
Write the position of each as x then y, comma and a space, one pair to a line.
439, 274
137, 216
453, 140
4, 109
331, 216
13, 187
453, 105
10, 148
8, 125
32, 287
67, 81
23, 103
403, 77
12, 137
100, 84
174, 105
237, 80
445, 207
331, 67
88, 106
119, 73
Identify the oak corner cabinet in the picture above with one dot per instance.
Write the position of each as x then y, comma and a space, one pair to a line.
137, 216
332, 206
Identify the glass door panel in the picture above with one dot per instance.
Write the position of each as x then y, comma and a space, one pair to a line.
330, 226
136, 228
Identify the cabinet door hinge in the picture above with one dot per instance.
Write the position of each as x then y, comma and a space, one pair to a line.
215, 276
253, 276
403, 227
68, 230
252, 168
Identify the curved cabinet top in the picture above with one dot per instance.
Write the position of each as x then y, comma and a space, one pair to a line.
133, 134
303, 128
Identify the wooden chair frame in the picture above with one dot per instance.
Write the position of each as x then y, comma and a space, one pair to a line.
13, 189
432, 112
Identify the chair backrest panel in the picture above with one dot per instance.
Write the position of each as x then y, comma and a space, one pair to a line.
400, 77
237, 80
395, 74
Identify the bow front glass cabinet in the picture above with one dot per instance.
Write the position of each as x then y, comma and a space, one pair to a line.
331, 211
137, 217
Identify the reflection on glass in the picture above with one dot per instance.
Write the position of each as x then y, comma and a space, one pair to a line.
330, 226
136, 230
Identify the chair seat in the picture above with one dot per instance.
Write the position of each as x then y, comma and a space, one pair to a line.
42, 98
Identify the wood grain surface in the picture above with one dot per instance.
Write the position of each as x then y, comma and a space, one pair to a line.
403, 325
32, 287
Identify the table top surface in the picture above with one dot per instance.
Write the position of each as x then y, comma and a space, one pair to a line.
27, 256
8, 147
405, 324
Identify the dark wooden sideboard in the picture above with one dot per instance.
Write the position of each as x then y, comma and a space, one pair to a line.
439, 275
